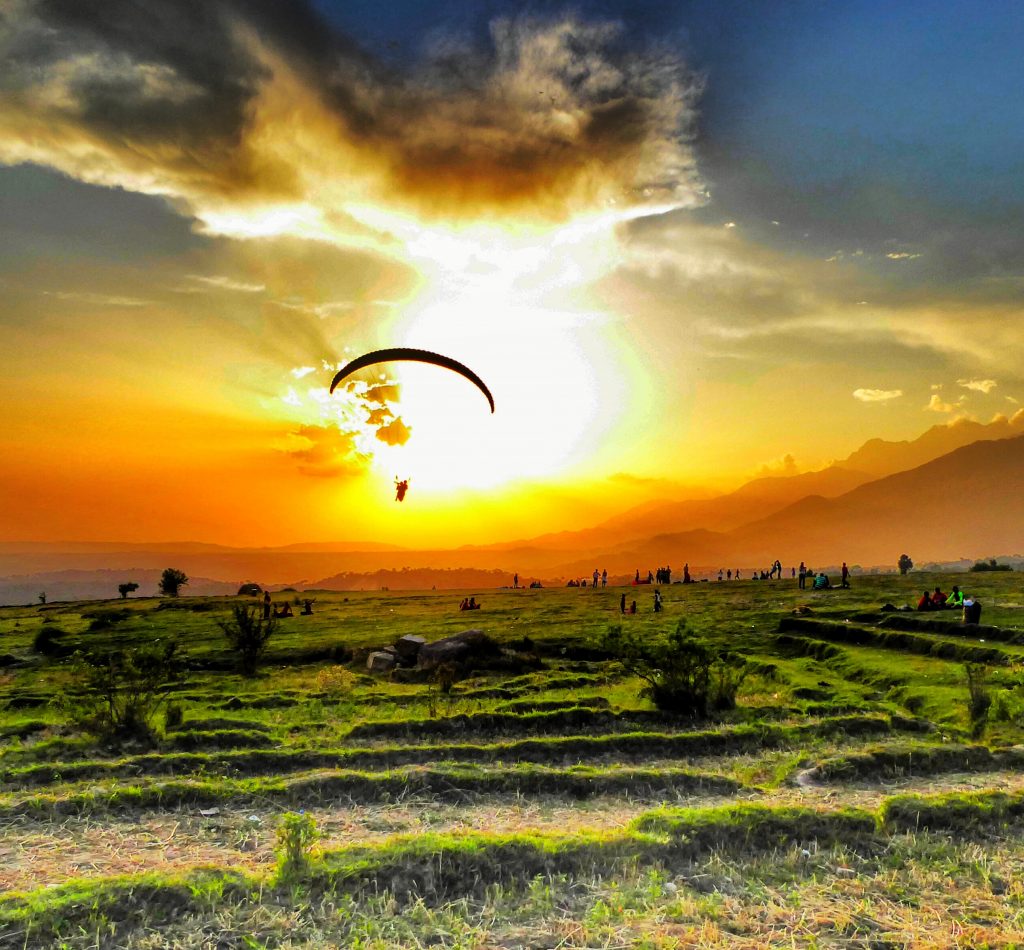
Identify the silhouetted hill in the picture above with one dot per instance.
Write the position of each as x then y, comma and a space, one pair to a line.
879, 458
963, 505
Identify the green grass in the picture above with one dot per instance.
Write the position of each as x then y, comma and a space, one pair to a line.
848, 701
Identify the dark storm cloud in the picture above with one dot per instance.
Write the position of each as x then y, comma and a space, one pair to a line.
172, 97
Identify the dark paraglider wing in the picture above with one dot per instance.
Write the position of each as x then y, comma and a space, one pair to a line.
409, 354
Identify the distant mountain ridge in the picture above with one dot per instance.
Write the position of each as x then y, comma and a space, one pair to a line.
966, 503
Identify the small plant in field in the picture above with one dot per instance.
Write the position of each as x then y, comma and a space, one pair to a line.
47, 642
335, 680
684, 674
174, 716
125, 589
979, 697
296, 835
122, 693
248, 633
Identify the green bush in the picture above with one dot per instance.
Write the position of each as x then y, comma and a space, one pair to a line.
979, 697
685, 675
247, 634
106, 619
47, 642
296, 836
121, 694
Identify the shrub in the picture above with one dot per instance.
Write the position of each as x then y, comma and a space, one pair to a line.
174, 716
991, 565
47, 642
247, 634
684, 674
121, 693
105, 619
125, 589
979, 697
335, 680
296, 836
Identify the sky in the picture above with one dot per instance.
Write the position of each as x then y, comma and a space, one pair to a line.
684, 243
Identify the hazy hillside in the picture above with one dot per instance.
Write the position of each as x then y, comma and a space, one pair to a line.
96, 585
965, 504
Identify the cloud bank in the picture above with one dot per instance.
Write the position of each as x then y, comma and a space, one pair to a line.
257, 118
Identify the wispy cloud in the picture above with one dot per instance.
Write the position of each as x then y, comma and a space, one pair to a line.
228, 283
902, 256
877, 395
978, 385
96, 300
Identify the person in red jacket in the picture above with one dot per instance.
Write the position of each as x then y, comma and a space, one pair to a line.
925, 603
939, 599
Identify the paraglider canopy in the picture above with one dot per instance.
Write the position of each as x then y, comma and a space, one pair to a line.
409, 354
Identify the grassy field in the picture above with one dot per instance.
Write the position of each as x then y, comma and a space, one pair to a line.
849, 800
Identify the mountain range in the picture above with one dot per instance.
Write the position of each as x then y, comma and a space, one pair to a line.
955, 492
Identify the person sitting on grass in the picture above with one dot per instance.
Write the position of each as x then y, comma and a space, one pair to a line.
465, 604
472, 605
956, 598
632, 607
285, 610
939, 599
821, 582
925, 603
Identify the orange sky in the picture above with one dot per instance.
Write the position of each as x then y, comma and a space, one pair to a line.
180, 294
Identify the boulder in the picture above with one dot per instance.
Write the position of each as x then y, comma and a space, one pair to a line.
408, 648
380, 662
455, 649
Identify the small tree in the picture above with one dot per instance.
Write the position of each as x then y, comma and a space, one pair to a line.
121, 693
125, 589
685, 675
905, 564
171, 581
247, 634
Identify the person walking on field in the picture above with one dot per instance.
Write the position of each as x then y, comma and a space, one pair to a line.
622, 604
604, 578
846, 575
803, 576
657, 601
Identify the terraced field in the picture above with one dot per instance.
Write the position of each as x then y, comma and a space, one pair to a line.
851, 799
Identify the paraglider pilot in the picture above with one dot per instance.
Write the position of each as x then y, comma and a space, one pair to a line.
401, 487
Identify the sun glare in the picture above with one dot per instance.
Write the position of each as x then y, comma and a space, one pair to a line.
510, 304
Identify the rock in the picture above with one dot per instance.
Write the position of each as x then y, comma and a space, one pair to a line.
380, 662
408, 648
454, 649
